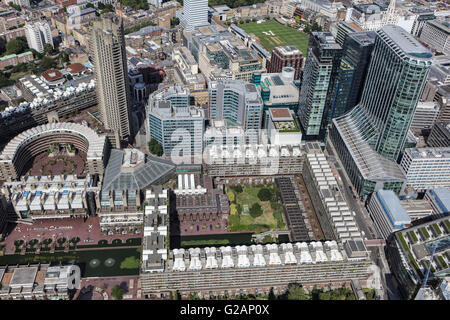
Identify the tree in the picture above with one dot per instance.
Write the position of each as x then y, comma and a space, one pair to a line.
15, 6
155, 148
265, 194
296, 292
234, 220
130, 263
117, 292
238, 188
16, 46
48, 48
174, 22
255, 210
47, 63
231, 196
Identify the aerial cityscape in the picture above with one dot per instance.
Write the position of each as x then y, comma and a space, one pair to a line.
224, 150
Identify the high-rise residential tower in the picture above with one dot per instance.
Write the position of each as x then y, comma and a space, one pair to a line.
38, 34
370, 138
107, 44
352, 72
195, 14
318, 78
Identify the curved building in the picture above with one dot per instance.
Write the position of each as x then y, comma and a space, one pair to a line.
370, 138
28, 144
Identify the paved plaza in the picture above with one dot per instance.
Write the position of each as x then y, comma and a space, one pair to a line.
88, 231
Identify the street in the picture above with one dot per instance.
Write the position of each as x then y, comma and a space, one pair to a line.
365, 224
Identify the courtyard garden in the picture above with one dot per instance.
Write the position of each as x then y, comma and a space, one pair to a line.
255, 208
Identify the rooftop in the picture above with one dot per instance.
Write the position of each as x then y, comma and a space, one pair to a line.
428, 153
75, 68
392, 206
138, 179
52, 75
405, 42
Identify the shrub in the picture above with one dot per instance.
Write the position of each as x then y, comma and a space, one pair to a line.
233, 209
234, 219
117, 292
231, 196
264, 194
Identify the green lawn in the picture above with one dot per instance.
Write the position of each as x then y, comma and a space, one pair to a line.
268, 220
284, 35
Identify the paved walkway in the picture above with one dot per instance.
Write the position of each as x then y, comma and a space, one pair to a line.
88, 231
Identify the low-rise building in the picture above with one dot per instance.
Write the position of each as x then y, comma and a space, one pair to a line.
409, 253
387, 212
278, 90
128, 173
439, 199
417, 209
317, 170
36, 282
154, 249
15, 59
51, 197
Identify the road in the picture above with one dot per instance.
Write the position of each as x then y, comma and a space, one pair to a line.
362, 216
366, 225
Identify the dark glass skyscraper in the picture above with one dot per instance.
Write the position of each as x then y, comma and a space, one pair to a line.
371, 136
352, 71
318, 77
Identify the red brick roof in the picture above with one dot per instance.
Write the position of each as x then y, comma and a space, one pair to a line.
52, 75
75, 68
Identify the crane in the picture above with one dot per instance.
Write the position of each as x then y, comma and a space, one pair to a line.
428, 273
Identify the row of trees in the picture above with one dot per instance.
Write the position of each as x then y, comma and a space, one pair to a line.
135, 4
234, 3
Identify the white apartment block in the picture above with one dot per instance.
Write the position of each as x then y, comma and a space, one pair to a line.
436, 34
38, 34
426, 168
195, 14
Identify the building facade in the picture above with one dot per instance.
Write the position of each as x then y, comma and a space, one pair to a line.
286, 56
436, 34
107, 46
174, 124
426, 168
38, 34
370, 138
352, 71
318, 77
387, 212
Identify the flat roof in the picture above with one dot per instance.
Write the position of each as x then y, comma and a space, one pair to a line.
443, 197
23, 276
393, 208
406, 42
282, 113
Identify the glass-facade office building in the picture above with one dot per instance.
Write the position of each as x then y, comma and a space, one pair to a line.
318, 77
352, 72
370, 137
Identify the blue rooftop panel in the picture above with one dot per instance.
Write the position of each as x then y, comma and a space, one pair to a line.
391, 205
442, 197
